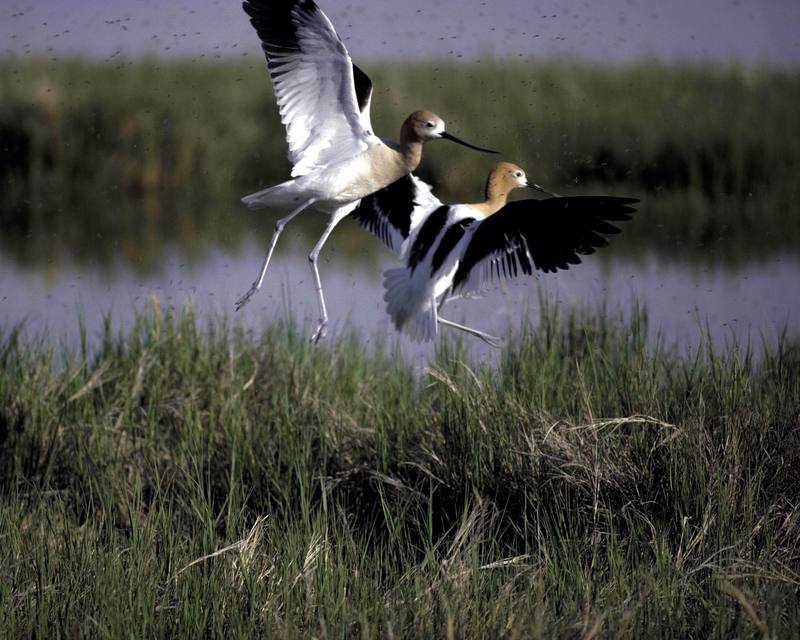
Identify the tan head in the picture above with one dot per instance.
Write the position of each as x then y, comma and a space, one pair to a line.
503, 178
423, 126
506, 176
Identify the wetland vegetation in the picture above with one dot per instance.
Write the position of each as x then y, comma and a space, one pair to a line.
180, 482
186, 476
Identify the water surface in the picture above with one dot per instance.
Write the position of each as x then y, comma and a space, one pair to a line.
748, 301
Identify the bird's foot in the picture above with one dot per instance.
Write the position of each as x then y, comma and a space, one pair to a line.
246, 297
320, 331
492, 341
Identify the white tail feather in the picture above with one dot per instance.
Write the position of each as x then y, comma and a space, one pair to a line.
281, 195
420, 323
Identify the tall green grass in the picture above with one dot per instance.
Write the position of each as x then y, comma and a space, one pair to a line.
190, 478
153, 152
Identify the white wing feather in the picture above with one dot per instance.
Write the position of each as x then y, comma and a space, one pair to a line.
314, 86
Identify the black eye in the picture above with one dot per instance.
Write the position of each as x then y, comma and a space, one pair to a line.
429, 125
518, 174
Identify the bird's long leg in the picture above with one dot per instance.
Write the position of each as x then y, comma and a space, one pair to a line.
337, 216
491, 340
278, 228
461, 296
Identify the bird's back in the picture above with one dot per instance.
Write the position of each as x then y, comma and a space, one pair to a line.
431, 258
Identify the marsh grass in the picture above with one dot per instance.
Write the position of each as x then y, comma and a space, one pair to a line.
147, 153
190, 478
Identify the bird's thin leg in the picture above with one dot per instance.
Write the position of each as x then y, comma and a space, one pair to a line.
278, 228
462, 296
336, 217
491, 340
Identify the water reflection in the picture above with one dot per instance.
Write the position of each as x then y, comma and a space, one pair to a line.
746, 302
100, 233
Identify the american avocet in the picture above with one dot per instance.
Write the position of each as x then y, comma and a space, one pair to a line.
324, 99
450, 251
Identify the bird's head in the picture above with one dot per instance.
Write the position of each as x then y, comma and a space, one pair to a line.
506, 176
509, 175
423, 126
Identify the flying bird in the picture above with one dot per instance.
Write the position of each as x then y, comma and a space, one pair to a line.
452, 251
324, 101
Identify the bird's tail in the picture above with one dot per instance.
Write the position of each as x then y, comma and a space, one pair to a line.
281, 195
419, 323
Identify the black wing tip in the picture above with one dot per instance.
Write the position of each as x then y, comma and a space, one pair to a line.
624, 199
276, 23
363, 87
273, 14
270, 5
620, 204
618, 200
255, 7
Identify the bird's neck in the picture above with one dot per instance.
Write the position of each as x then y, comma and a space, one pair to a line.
496, 196
410, 153
389, 162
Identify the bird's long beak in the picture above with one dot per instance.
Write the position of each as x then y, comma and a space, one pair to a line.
533, 185
448, 136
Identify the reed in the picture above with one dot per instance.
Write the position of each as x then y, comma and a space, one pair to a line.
189, 478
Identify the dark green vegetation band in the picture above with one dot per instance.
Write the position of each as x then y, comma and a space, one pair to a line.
100, 161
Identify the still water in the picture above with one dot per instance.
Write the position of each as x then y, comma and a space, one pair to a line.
749, 301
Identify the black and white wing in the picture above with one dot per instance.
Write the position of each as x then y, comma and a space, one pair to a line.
547, 235
323, 98
392, 213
